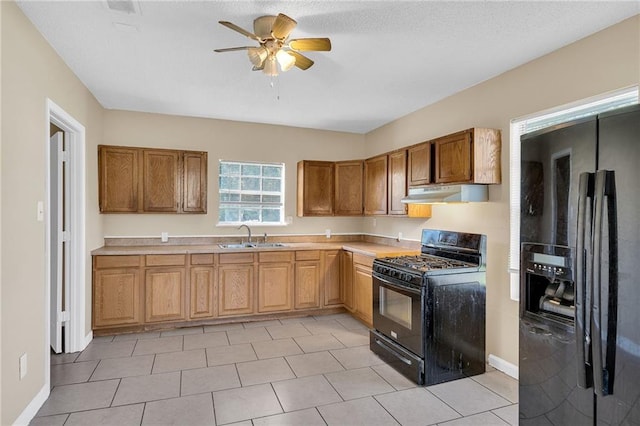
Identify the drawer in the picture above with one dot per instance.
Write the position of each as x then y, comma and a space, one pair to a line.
202, 259
308, 255
101, 262
165, 259
363, 260
275, 256
236, 258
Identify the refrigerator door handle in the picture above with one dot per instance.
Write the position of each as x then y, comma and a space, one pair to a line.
584, 280
605, 303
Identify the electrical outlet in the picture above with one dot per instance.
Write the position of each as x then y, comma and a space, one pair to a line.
164, 237
399, 236
22, 366
327, 232
374, 222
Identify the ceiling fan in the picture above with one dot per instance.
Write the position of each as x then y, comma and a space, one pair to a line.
276, 50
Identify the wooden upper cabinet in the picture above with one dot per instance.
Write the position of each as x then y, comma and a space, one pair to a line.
161, 181
375, 185
419, 164
194, 182
315, 188
471, 156
397, 182
348, 188
143, 180
118, 179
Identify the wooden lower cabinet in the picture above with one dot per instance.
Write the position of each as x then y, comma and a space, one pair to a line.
331, 278
307, 287
131, 291
307, 282
275, 287
164, 294
235, 289
346, 279
363, 288
202, 292
116, 297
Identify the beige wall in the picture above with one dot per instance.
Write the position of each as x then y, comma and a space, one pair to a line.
227, 140
603, 62
31, 73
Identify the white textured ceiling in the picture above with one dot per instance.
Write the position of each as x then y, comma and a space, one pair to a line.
389, 58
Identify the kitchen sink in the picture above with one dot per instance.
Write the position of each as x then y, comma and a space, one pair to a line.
251, 245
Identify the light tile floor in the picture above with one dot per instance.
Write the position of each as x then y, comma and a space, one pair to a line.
298, 371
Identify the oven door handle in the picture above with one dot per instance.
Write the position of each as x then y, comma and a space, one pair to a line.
387, 283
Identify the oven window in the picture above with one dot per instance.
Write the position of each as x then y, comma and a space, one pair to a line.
396, 307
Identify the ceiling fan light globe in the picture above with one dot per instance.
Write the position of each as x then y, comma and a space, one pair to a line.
270, 67
285, 60
257, 55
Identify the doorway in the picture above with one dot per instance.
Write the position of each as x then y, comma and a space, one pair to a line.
65, 233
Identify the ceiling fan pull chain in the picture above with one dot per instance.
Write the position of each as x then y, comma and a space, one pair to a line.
275, 84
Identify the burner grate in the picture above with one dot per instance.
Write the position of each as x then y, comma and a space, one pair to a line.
426, 262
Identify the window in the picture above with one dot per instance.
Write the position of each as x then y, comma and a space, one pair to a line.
251, 192
539, 121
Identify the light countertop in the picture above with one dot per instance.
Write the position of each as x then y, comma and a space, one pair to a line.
364, 248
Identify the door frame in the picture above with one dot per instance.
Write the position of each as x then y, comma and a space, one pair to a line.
74, 134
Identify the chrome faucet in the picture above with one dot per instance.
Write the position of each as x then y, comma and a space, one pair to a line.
248, 230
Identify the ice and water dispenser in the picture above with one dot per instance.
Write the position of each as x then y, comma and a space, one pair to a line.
547, 283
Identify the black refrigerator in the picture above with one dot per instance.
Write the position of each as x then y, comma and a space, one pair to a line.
580, 272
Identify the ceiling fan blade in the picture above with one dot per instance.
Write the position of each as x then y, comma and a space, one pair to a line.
233, 49
302, 61
317, 44
242, 31
282, 26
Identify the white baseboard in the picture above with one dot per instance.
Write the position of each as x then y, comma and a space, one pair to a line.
87, 339
504, 366
32, 409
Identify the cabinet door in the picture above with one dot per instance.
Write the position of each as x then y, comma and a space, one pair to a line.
397, 182
307, 286
116, 297
375, 186
194, 182
315, 188
348, 188
346, 272
161, 181
331, 278
419, 164
453, 158
275, 287
164, 294
202, 292
363, 296
118, 179
235, 289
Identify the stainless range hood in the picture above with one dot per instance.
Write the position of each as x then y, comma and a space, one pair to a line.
446, 194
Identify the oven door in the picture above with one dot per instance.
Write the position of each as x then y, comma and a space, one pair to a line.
398, 313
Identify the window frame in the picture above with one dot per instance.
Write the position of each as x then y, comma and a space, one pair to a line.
537, 121
258, 204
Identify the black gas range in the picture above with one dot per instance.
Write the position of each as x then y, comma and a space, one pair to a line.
429, 309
